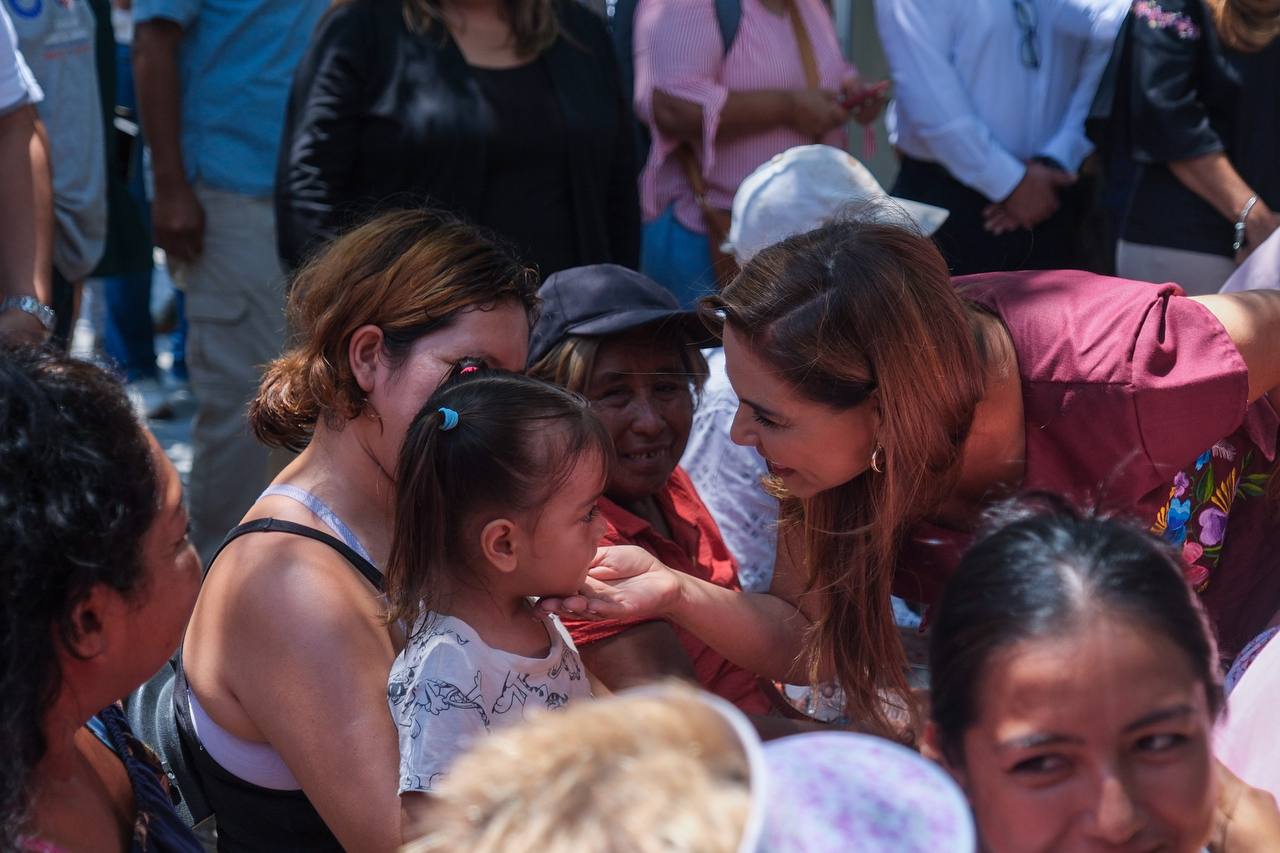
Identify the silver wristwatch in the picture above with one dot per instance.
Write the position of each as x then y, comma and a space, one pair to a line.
32, 306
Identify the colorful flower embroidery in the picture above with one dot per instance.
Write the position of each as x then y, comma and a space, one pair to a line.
1175, 531
1196, 512
1160, 19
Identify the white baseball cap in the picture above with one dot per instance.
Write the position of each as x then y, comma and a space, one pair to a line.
803, 187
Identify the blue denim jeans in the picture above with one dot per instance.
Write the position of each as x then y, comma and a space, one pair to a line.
677, 258
128, 337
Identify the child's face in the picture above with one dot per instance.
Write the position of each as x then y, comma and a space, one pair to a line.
561, 546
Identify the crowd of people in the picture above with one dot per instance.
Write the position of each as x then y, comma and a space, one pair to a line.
590, 454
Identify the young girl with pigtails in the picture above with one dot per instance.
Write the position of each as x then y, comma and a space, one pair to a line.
497, 485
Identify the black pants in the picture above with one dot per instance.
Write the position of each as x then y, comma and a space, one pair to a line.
64, 300
968, 247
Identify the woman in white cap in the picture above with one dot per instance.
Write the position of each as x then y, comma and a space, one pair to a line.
893, 406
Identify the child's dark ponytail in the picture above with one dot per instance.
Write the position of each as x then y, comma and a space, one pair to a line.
487, 440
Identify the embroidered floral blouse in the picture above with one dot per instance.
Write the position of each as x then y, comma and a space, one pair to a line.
1135, 401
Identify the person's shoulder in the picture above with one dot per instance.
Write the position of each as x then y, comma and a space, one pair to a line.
680, 485
181, 12
442, 642
666, 16
583, 29
1180, 20
293, 583
579, 20
360, 18
353, 13
688, 501
619, 524
1069, 325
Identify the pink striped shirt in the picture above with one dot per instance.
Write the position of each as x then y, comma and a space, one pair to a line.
678, 50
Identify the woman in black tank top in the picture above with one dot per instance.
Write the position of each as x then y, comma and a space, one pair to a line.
288, 649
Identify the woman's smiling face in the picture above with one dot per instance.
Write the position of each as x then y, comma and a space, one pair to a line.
639, 388
1094, 739
811, 446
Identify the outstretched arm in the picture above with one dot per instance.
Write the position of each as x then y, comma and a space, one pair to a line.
1252, 320
760, 632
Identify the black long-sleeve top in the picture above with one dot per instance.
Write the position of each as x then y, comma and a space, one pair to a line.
381, 117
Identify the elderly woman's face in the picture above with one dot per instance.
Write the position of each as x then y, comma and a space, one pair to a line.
1094, 739
640, 391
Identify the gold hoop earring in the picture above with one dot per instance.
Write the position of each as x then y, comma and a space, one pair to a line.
878, 459
372, 414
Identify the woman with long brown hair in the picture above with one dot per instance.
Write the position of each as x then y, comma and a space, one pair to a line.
281, 695
893, 405
508, 112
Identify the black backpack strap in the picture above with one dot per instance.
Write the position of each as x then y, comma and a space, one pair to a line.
277, 525
150, 712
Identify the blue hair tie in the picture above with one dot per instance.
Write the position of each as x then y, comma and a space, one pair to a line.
450, 418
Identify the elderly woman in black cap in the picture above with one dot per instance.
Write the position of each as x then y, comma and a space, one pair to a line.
621, 340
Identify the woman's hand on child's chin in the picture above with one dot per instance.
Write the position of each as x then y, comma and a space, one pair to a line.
625, 582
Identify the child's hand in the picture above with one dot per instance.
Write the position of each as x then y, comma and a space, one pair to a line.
625, 582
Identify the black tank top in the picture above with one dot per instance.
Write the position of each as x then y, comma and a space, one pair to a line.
250, 818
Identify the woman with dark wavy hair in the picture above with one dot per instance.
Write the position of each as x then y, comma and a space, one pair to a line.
893, 405
510, 113
99, 578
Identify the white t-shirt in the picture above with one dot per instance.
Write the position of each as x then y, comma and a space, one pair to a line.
447, 686
18, 85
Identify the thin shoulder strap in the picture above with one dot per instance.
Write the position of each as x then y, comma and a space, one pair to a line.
277, 525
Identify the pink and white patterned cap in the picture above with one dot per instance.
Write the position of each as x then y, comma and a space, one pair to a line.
829, 792
840, 791
844, 791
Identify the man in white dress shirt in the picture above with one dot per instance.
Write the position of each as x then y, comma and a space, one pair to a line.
988, 115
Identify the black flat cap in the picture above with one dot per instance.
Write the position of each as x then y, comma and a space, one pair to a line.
606, 299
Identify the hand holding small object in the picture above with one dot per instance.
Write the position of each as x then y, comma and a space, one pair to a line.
865, 100
814, 112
